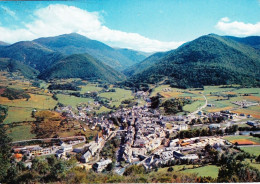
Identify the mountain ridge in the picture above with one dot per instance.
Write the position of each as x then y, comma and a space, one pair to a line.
207, 60
81, 66
78, 44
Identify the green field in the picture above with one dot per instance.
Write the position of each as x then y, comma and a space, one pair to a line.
72, 100
193, 106
253, 163
209, 170
159, 89
252, 150
21, 132
90, 88
118, 96
17, 114
231, 138
103, 109
36, 101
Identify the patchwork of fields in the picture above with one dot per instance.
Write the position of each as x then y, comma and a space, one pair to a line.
20, 110
219, 98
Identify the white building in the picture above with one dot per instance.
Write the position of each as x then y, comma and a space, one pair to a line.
85, 158
101, 165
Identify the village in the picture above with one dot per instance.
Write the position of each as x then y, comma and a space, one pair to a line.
146, 137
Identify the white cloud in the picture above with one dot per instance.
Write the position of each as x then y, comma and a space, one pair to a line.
238, 28
61, 19
8, 11
225, 19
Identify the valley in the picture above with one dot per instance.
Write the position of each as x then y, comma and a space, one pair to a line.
133, 114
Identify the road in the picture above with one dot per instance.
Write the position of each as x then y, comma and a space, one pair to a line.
46, 139
202, 107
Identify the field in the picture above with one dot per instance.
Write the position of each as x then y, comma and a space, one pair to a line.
17, 114
117, 97
216, 95
252, 150
245, 137
209, 170
36, 101
90, 88
193, 106
243, 142
253, 163
72, 100
103, 109
21, 132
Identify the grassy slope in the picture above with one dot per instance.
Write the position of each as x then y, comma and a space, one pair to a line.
252, 150
36, 101
21, 132
16, 114
72, 100
231, 138
118, 96
209, 170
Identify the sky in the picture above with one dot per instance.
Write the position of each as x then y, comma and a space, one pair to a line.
144, 25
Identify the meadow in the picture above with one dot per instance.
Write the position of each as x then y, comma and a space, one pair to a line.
216, 95
36, 101
72, 100
246, 137
118, 96
252, 150
18, 114
90, 88
208, 170
20, 132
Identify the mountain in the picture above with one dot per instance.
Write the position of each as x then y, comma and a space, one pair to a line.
77, 44
81, 66
208, 60
253, 41
149, 61
10, 65
3, 43
135, 56
31, 53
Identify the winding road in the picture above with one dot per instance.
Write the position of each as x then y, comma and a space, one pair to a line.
202, 107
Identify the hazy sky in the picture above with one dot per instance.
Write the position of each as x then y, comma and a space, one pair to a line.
147, 25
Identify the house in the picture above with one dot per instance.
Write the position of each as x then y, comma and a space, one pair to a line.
167, 155
18, 157
183, 127
85, 158
210, 105
177, 154
185, 157
214, 126
41, 151
93, 148
101, 165
66, 148
189, 157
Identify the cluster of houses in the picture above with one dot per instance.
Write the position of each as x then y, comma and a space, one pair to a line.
245, 104
92, 149
146, 131
60, 149
180, 149
146, 136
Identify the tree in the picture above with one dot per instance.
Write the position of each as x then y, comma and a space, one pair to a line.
5, 154
170, 169
258, 159
155, 102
